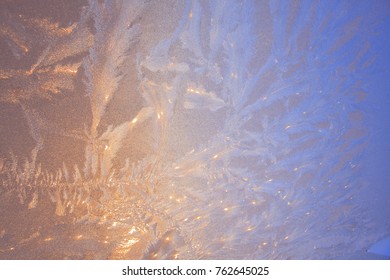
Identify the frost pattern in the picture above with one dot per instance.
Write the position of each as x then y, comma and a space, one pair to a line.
241, 139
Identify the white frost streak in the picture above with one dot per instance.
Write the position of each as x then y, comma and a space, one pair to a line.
116, 30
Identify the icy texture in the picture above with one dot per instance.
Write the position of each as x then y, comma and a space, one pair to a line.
194, 130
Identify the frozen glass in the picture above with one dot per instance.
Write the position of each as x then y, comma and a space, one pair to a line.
194, 129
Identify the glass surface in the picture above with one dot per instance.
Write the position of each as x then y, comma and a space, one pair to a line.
194, 129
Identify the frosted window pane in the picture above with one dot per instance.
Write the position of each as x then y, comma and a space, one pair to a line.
193, 129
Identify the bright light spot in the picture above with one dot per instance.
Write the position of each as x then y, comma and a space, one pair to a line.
250, 228
78, 237
132, 230
195, 90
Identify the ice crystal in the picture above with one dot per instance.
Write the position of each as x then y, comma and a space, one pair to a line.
227, 130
